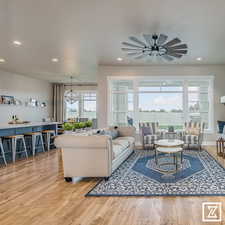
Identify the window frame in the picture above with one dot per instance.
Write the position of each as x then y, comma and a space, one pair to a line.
183, 79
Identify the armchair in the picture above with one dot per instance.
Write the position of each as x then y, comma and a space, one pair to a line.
150, 133
193, 133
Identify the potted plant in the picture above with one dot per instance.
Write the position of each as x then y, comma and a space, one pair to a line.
82, 125
76, 126
68, 127
88, 124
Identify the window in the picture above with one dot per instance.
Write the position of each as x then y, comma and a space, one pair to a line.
198, 101
168, 101
84, 105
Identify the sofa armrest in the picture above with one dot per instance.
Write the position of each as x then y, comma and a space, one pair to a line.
73, 141
127, 131
86, 156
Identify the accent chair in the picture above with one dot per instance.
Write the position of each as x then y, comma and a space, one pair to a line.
193, 133
150, 133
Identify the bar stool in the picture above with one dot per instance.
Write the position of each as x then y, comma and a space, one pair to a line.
14, 141
2, 152
48, 134
34, 141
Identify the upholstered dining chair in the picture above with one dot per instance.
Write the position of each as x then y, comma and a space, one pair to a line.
149, 133
193, 133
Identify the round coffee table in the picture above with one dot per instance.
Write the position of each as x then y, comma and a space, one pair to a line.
169, 148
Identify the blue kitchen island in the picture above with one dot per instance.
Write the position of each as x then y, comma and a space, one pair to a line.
21, 129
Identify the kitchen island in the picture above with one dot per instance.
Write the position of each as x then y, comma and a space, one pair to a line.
15, 129
21, 129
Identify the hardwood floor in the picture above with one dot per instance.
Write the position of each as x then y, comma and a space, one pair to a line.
33, 192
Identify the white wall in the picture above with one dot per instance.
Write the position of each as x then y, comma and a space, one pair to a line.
172, 70
24, 88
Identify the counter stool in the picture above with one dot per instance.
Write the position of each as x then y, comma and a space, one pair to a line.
34, 141
14, 141
2, 152
48, 135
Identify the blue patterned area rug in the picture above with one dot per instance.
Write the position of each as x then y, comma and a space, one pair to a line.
201, 175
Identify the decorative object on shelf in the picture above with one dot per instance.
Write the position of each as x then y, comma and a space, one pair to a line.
222, 100
11, 100
7, 100
32, 103
155, 45
18, 102
43, 105
70, 96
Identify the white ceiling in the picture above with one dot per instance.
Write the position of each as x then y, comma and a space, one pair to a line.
86, 33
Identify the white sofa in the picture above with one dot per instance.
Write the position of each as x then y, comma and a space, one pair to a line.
95, 155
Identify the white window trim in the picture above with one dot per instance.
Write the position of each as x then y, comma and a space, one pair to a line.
136, 80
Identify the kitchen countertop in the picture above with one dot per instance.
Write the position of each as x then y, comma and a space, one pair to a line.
32, 124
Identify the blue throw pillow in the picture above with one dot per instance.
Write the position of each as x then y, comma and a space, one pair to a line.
221, 125
113, 133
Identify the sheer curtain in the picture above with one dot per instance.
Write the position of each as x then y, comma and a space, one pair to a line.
58, 102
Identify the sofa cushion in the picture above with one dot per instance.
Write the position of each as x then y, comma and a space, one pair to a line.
123, 143
117, 149
131, 140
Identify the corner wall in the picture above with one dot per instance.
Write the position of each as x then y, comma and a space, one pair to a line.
172, 70
23, 88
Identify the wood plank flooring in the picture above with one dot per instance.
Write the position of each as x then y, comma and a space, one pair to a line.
33, 192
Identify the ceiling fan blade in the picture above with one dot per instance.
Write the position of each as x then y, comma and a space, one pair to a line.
148, 39
134, 53
162, 39
130, 49
183, 46
131, 45
176, 55
172, 42
177, 51
168, 58
141, 56
137, 41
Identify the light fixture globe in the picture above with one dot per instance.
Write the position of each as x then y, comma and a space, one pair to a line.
155, 45
70, 96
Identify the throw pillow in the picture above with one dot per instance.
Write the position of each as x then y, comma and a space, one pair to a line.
113, 133
146, 131
194, 131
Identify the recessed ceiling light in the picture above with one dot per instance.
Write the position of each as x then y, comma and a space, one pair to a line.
119, 59
199, 59
55, 60
17, 43
2, 60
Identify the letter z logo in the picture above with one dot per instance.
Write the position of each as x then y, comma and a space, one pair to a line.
211, 211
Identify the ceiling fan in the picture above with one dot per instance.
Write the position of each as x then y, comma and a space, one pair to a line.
155, 45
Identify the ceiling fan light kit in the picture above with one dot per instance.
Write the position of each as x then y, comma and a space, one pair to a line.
155, 45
